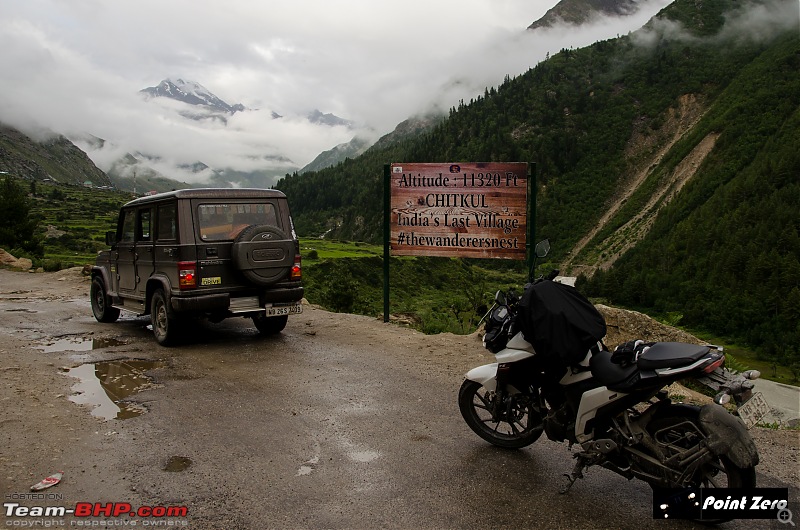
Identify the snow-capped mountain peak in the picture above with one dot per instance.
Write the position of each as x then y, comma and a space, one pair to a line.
192, 93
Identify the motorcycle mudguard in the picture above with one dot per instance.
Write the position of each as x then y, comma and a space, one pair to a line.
728, 436
486, 375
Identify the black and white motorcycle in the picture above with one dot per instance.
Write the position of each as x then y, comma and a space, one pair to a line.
554, 375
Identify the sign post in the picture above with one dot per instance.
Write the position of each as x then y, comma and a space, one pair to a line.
464, 210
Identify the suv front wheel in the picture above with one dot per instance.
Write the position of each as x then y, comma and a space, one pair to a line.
101, 303
165, 322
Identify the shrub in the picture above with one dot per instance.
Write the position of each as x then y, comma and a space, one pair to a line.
52, 265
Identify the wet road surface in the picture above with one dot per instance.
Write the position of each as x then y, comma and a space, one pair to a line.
341, 421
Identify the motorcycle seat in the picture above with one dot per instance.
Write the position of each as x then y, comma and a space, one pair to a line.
670, 355
611, 374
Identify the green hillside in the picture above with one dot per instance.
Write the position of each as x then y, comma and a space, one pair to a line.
678, 140
726, 252
50, 158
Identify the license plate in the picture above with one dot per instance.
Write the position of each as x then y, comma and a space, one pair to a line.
277, 311
753, 409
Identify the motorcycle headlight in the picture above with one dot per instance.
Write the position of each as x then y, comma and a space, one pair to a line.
500, 314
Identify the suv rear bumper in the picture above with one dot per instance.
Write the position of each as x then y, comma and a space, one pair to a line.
214, 303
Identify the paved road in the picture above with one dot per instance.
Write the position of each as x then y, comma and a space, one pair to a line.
784, 400
340, 422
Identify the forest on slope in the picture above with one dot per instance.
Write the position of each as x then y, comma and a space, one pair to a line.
722, 250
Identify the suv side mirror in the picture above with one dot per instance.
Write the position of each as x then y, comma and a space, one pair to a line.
111, 238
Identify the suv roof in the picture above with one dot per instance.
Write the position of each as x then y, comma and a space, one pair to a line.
210, 193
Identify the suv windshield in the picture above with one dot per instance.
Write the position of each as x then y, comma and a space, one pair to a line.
224, 221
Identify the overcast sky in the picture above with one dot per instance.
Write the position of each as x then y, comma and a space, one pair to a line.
76, 66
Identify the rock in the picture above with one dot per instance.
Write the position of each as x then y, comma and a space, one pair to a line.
624, 325
10, 261
53, 232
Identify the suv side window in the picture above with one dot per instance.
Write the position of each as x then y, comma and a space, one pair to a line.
167, 222
145, 222
128, 226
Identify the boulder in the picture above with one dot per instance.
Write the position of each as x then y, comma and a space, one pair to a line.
10, 261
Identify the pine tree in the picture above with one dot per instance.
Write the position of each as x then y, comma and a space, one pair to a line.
17, 229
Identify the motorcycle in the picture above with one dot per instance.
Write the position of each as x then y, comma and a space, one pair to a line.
555, 376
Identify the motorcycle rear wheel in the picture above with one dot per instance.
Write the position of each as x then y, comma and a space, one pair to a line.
517, 425
680, 431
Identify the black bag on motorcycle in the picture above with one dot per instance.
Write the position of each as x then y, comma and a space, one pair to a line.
559, 321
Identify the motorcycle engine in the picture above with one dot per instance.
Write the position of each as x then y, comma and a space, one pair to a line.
558, 424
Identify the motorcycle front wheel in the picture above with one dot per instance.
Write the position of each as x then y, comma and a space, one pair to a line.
510, 422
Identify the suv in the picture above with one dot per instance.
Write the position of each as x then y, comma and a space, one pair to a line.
216, 253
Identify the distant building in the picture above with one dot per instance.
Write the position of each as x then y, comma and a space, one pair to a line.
87, 184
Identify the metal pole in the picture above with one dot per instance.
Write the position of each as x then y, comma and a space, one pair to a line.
387, 204
531, 218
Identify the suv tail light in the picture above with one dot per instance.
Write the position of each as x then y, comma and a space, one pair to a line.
187, 274
297, 269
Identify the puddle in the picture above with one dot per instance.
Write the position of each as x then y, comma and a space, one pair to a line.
106, 384
177, 464
363, 457
78, 344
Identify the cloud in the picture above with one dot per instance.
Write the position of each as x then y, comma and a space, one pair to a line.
76, 67
752, 22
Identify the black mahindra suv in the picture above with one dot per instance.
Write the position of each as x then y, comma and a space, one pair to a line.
215, 253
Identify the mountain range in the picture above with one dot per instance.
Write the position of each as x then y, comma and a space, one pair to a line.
666, 166
47, 157
577, 12
193, 102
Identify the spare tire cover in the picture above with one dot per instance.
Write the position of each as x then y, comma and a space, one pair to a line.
264, 254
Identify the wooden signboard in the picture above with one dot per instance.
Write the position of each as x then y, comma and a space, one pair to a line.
469, 210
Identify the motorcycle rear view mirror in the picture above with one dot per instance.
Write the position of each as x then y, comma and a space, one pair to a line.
542, 248
539, 251
500, 298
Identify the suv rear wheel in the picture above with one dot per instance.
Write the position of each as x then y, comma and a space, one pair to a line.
270, 325
166, 326
101, 303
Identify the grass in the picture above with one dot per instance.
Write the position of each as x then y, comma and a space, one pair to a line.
83, 214
320, 249
739, 357
748, 359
